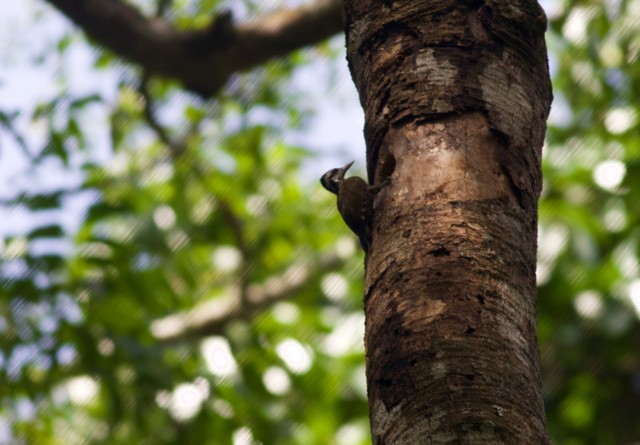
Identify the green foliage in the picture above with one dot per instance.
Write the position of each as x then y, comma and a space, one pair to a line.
589, 298
212, 295
210, 209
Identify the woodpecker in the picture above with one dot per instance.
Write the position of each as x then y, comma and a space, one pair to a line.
355, 201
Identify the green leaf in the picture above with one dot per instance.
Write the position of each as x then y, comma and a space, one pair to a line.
51, 231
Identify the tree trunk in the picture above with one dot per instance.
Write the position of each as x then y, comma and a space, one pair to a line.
455, 94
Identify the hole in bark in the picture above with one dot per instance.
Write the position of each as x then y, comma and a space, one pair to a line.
440, 251
470, 330
470, 377
438, 274
386, 165
480, 298
406, 233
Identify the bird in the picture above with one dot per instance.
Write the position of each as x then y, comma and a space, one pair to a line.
355, 201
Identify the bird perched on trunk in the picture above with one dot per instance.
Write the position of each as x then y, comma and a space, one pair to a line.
355, 201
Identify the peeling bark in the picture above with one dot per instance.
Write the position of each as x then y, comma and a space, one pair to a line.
455, 94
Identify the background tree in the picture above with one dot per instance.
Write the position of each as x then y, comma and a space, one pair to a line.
201, 293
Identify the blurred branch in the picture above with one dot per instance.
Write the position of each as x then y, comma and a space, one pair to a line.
202, 59
176, 146
7, 122
237, 227
211, 317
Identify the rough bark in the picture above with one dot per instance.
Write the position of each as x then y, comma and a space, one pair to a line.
202, 60
455, 94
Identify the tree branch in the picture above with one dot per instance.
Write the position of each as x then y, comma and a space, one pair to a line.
204, 59
175, 146
237, 227
211, 317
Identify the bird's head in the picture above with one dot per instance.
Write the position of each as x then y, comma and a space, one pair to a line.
331, 180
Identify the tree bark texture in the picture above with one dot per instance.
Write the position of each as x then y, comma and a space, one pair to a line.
456, 95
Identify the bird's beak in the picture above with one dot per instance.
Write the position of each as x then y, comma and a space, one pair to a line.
343, 170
